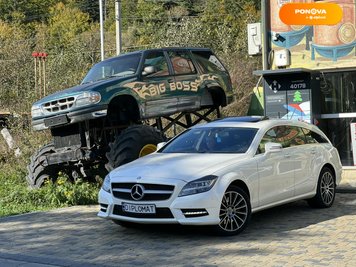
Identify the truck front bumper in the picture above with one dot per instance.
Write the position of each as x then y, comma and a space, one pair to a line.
70, 117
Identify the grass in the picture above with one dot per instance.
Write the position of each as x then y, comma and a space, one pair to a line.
17, 198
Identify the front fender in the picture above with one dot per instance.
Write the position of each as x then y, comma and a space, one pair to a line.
250, 179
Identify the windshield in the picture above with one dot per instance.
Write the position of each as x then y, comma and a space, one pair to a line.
115, 67
212, 140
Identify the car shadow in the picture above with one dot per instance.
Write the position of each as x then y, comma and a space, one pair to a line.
272, 222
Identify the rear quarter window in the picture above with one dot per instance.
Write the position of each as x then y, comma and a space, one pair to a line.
313, 137
208, 61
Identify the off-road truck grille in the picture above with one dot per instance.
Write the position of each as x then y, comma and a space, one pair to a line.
58, 105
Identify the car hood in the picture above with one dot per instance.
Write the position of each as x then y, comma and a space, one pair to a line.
75, 90
186, 167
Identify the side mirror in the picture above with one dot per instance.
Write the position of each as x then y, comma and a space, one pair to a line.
160, 145
273, 147
148, 70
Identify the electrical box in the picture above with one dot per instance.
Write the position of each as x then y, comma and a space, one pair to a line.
254, 39
282, 58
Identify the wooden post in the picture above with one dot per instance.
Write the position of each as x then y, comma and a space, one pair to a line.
35, 55
40, 78
44, 75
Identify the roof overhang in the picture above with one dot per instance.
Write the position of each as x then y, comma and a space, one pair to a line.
283, 71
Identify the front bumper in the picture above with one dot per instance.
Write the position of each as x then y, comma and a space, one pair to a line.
88, 113
169, 211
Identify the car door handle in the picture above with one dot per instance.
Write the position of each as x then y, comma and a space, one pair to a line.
313, 151
287, 156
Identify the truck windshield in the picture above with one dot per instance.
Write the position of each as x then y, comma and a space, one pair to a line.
115, 67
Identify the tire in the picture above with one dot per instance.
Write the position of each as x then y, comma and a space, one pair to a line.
325, 192
38, 172
134, 142
235, 212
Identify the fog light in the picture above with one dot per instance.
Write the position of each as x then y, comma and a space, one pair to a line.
103, 207
189, 213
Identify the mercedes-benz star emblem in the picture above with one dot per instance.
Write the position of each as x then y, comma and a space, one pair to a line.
137, 192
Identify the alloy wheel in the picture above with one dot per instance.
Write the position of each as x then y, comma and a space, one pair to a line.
327, 188
233, 211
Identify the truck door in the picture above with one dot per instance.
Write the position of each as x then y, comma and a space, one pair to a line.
155, 90
185, 86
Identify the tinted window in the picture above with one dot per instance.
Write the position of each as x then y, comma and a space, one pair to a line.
212, 140
285, 135
313, 137
181, 62
338, 92
208, 61
157, 60
270, 136
294, 137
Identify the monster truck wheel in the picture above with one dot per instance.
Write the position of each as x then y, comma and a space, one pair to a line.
38, 173
134, 142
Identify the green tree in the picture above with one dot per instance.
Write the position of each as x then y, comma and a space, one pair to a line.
66, 22
16, 68
27, 10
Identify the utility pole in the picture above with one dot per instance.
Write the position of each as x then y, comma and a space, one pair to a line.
101, 30
118, 26
265, 28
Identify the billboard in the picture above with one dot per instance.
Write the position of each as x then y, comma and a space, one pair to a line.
316, 46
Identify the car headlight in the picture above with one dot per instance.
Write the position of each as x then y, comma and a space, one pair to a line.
36, 111
198, 186
87, 98
106, 184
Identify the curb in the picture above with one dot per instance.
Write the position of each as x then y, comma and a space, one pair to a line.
346, 190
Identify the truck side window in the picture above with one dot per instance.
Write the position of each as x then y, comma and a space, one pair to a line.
181, 62
209, 61
157, 60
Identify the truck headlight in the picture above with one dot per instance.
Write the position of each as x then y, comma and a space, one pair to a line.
36, 111
87, 98
106, 184
198, 186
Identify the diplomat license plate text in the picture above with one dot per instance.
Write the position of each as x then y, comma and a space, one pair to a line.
139, 208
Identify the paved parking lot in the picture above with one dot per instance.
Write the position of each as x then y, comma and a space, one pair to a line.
291, 235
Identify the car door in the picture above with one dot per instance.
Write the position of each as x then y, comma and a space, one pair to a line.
275, 169
185, 86
155, 87
305, 179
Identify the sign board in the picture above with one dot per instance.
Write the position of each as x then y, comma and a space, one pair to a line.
288, 97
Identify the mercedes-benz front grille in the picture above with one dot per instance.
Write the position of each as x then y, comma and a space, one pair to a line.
151, 192
58, 105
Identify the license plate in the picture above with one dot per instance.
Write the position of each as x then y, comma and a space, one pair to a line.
139, 208
58, 120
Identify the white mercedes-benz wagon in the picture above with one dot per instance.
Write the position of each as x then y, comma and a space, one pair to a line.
219, 173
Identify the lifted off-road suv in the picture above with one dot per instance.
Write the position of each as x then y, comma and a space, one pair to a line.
124, 107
